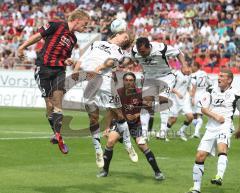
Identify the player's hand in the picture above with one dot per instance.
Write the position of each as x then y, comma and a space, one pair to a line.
237, 134
98, 70
75, 76
106, 132
91, 75
21, 53
180, 96
69, 62
220, 119
131, 117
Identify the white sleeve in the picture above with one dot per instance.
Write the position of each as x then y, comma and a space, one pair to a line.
194, 80
171, 51
86, 53
205, 100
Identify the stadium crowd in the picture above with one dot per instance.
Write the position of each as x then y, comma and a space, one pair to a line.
206, 31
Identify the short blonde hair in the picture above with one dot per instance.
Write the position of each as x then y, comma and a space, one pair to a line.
78, 14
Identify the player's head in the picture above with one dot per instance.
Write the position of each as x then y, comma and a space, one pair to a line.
143, 46
195, 66
129, 80
225, 79
123, 39
79, 20
186, 70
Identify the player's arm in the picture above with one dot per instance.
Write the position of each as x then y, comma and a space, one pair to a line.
132, 117
181, 58
215, 116
109, 63
175, 91
32, 40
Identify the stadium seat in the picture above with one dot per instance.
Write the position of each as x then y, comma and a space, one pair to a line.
216, 70
235, 70
207, 69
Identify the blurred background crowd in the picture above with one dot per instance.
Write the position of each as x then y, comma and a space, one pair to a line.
206, 31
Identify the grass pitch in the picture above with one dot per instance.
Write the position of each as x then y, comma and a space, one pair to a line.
30, 164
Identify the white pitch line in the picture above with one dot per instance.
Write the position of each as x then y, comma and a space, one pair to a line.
42, 137
25, 132
16, 138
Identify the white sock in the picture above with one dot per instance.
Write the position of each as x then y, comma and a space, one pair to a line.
194, 122
144, 116
198, 171
222, 165
127, 139
182, 129
96, 141
164, 119
198, 126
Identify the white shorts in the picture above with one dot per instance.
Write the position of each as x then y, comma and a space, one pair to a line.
211, 139
159, 86
184, 106
104, 96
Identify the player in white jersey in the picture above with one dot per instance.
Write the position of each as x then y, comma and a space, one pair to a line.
158, 76
100, 58
181, 101
219, 105
200, 83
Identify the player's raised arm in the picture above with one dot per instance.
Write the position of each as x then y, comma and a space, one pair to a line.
32, 40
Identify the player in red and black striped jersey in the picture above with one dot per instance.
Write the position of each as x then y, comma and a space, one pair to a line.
131, 99
51, 64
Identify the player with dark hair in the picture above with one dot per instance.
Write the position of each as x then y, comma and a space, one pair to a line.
131, 99
159, 78
219, 105
51, 65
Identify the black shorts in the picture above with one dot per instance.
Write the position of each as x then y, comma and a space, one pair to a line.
135, 130
50, 79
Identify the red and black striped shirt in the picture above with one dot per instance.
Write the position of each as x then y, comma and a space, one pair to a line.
59, 42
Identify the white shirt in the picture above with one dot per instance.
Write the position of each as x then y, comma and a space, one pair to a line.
222, 103
182, 83
156, 65
201, 80
97, 54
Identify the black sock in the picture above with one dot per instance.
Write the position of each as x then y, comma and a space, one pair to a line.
150, 124
152, 161
50, 120
169, 126
186, 123
107, 156
57, 121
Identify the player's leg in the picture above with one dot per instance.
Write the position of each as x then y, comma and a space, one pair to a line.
57, 117
164, 115
113, 138
186, 123
206, 147
198, 171
146, 114
43, 79
122, 126
171, 121
222, 146
58, 90
93, 114
199, 122
49, 111
151, 160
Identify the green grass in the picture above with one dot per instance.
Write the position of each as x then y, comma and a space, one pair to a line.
35, 166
